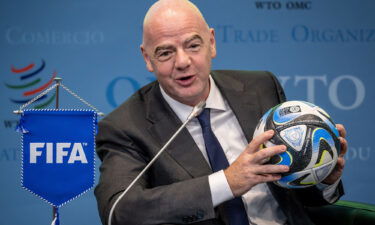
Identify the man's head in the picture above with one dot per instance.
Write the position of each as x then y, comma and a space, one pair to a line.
178, 47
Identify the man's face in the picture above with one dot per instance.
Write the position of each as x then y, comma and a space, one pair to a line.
179, 52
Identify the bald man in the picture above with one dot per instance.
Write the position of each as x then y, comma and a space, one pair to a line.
184, 186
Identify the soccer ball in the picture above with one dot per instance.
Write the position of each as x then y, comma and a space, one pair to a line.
311, 139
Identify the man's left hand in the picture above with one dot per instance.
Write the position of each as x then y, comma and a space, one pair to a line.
339, 168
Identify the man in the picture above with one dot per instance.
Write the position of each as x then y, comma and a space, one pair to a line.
181, 187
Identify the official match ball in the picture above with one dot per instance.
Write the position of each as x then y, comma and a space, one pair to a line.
311, 139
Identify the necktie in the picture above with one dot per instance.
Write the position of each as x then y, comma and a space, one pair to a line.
234, 208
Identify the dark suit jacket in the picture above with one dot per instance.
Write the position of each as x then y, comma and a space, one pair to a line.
175, 190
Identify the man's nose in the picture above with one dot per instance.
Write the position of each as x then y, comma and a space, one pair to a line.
183, 60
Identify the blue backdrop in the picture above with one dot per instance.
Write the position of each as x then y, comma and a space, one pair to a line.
322, 51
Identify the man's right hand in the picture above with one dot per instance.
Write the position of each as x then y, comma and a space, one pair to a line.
249, 169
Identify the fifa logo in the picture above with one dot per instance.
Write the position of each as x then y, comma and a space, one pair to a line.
59, 153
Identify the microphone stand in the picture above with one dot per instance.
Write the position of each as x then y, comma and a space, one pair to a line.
194, 113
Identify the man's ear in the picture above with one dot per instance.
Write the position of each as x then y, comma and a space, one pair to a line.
147, 59
212, 43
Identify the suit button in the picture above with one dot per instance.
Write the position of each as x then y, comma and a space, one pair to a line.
199, 214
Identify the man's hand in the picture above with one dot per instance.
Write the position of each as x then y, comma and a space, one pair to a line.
339, 168
249, 169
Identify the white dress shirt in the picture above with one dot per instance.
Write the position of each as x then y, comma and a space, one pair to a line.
261, 207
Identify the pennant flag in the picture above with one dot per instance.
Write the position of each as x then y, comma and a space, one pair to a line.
58, 146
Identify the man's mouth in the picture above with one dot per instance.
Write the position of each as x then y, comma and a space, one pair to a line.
186, 80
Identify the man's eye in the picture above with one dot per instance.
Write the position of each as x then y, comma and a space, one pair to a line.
194, 46
164, 55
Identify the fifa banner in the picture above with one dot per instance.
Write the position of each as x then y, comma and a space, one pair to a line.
58, 160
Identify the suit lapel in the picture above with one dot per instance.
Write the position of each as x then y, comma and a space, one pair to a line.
243, 102
164, 123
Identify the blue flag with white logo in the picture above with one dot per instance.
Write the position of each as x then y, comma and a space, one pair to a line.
58, 146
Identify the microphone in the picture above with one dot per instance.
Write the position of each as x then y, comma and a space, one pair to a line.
196, 110
194, 113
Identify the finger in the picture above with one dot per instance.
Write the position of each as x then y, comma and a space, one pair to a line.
343, 145
253, 146
268, 178
341, 129
340, 163
264, 154
270, 169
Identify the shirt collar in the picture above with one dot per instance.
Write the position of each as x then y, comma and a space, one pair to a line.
214, 101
